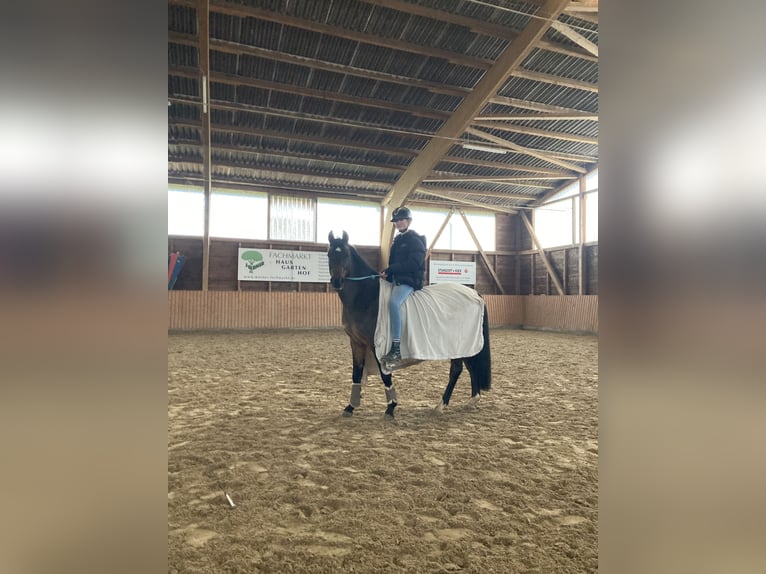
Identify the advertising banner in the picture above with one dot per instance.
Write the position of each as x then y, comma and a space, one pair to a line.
453, 272
280, 265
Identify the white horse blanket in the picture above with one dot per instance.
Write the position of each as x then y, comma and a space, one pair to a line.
441, 321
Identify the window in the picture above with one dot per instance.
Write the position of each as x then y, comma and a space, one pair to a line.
455, 235
361, 220
591, 216
292, 219
556, 224
186, 212
570, 190
591, 180
238, 216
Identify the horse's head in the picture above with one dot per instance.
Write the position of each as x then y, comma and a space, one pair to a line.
339, 258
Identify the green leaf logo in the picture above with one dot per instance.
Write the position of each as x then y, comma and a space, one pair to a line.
253, 260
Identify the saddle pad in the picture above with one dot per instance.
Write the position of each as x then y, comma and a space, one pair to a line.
439, 322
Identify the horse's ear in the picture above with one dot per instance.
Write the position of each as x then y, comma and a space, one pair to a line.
345, 236
330, 237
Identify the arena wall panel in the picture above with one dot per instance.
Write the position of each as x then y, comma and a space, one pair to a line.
575, 313
191, 310
505, 310
212, 310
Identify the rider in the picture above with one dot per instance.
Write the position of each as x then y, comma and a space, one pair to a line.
406, 266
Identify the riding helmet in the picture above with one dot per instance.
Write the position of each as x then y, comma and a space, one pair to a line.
401, 213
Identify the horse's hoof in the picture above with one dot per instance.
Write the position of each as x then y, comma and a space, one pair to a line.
389, 417
473, 403
348, 411
439, 409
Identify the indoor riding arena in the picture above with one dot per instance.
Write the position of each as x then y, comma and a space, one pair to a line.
291, 123
510, 485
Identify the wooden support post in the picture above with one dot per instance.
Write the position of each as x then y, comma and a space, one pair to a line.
439, 233
481, 252
542, 253
300, 248
517, 271
581, 286
203, 25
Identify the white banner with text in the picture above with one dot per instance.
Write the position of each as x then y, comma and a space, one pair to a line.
281, 265
453, 272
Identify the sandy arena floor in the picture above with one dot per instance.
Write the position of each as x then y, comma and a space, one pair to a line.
508, 487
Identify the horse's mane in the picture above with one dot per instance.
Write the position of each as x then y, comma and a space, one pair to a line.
360, 264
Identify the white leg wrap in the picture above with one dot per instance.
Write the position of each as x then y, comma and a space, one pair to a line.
390, 394
356, 394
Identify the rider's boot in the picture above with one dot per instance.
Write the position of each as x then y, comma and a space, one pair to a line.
394, 355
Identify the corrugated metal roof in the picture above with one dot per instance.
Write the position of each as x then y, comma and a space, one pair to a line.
336, 97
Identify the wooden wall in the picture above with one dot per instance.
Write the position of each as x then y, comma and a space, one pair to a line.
245, 310
535, 280
519, 268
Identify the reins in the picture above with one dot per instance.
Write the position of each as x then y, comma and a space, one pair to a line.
361, 278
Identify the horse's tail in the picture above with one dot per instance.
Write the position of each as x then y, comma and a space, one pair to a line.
481, 363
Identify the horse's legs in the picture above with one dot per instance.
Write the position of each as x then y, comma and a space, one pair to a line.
480, 366
455, 368
358, 354
388, 383
475, 387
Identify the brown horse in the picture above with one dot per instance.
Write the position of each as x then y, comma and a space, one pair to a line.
358, 286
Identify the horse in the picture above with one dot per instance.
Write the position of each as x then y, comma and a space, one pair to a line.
358, 286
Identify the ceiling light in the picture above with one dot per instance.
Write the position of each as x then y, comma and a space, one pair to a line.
479, 147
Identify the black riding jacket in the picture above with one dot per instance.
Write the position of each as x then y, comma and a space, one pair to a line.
407, 262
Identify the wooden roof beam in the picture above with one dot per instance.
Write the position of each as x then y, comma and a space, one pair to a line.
235, 80
555, 80
498, 178
547, 196
494, 182
459, 191
243, 11
534, 106
255, 132
537, 132
289, 170
506, 64
501, 165
483, 27
576, 37
235, 48
486, 206
480, 26
582, 6
591, 17
552, 117
304, 189
311, 157
527, 151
